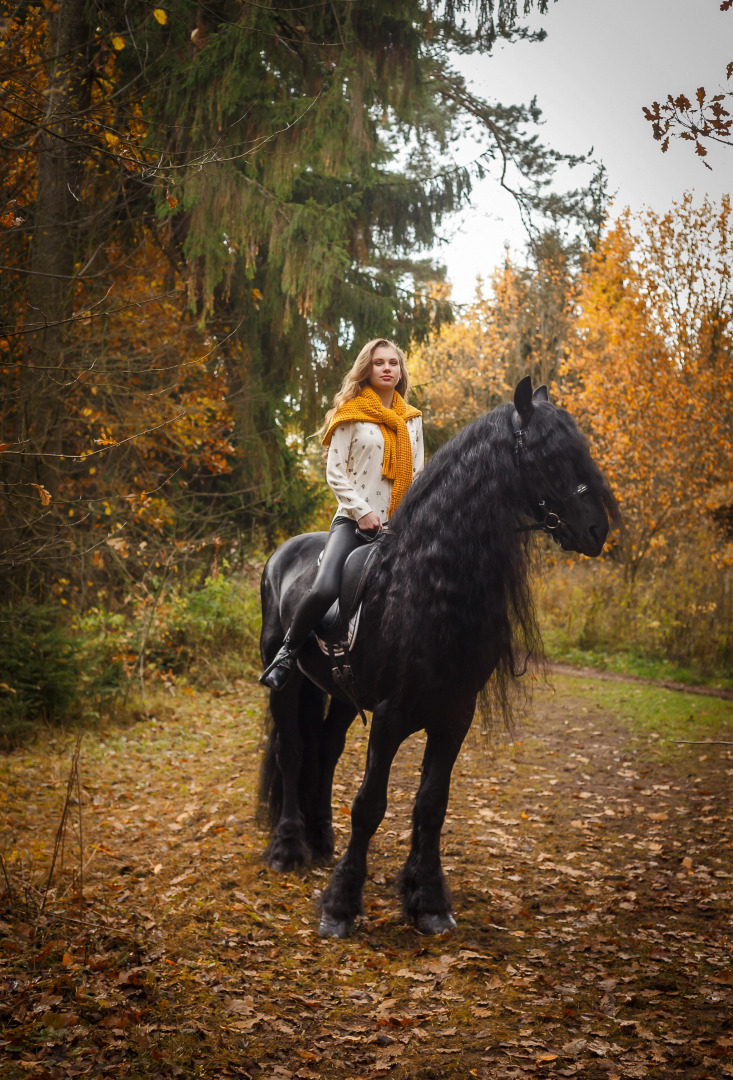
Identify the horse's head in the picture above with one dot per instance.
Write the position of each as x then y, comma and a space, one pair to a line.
565, 491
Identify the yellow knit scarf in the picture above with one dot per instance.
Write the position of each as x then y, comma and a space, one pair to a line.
397, 465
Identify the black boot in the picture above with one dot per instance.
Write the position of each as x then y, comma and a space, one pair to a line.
277, 673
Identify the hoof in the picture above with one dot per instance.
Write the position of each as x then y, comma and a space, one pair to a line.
435, 924
339, 928
284, 866
286, 856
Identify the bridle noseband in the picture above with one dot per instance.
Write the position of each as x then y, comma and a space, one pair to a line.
548, 520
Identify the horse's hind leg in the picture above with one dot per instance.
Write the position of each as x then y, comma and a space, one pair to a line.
341, 900
288, 848
425, 898
329, 748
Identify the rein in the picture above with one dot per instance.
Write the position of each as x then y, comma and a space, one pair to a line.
548, 520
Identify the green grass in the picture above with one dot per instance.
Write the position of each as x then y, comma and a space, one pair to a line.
636, 664
652, 711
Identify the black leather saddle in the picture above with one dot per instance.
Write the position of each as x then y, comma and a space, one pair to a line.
334, 627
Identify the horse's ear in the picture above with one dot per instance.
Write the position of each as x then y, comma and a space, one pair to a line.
540, 394
523, 400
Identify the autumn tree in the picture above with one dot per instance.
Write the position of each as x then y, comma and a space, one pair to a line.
205, 211
518, 327
336, 175
648, 375
108, 390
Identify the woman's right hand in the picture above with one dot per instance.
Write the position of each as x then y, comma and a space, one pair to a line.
371, 522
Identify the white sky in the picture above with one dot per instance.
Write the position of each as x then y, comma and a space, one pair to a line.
602, 61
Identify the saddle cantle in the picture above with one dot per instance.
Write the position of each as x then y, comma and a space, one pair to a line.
334, 627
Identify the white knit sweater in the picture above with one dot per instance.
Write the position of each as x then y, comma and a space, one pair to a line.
354, 467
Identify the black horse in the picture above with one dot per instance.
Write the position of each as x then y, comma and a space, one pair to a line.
446, 614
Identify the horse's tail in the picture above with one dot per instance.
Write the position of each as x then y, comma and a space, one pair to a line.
309, 733
270, 791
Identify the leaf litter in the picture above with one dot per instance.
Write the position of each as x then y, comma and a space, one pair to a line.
591, 879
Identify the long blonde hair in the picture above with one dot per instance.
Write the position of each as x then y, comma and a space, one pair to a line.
358, 377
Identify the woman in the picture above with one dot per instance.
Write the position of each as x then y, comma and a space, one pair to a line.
375, 450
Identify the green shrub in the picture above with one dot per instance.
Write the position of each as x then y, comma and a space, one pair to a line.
107, 650
40, 667
212, 631
53, 667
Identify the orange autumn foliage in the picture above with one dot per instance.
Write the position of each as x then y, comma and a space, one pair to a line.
459, 372
649, 369
519, 327
149, 418
140, 429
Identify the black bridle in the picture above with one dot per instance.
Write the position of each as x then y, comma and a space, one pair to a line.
547, 520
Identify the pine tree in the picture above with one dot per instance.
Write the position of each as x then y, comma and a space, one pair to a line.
290, 164
311, 150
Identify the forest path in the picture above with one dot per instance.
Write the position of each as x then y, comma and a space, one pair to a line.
590, 864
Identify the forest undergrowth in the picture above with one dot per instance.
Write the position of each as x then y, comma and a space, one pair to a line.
591, 874
200, 630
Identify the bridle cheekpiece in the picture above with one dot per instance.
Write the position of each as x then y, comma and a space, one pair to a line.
548, 520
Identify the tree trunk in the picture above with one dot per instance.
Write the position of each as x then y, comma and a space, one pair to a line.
47, 367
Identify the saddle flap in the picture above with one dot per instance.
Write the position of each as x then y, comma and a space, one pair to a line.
334, 625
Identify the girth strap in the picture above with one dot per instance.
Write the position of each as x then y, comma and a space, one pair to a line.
343, 674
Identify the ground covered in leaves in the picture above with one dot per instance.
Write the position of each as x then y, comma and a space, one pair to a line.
589, 862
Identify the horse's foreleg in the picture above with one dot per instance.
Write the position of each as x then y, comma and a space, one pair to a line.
330, 748
341, 900
288, 848
425, 898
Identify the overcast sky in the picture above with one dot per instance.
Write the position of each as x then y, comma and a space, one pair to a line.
602, 61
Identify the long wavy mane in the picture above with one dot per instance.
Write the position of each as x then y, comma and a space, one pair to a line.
454, 581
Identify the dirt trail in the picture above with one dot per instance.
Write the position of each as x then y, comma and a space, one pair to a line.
591, 876
666, 684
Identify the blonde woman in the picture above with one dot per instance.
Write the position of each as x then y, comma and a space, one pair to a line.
375, 450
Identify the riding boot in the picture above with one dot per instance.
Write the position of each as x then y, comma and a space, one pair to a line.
277, 673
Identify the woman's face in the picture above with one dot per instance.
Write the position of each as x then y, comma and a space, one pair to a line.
385, 371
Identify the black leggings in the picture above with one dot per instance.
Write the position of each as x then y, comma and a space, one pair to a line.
343, 538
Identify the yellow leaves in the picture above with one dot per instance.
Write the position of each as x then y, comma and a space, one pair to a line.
160, 16
460, 371
648, 369
111, 138
118, 43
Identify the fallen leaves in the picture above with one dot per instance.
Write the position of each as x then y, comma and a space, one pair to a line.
583, 944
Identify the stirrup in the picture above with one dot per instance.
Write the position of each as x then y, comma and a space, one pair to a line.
277, 673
